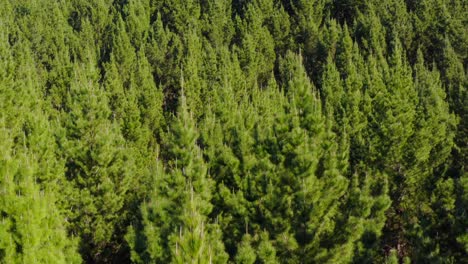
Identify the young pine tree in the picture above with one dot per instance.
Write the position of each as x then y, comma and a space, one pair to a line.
98, 167
32, 228
176, 216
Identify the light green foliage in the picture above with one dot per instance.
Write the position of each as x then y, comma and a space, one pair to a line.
32, 227
176, 218
245, 252
392, 258
244, 131
138, 19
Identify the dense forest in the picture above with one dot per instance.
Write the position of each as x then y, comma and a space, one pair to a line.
244, 131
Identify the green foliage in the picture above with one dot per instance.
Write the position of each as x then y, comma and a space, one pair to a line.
32, 226
247, 131
98, 165
176, 218
245, 252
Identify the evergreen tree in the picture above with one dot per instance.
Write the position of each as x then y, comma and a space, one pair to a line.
138, 20
306, 17
351, 151
181, 203
245, 253
256, 45
32, 227
436, 125
98, 167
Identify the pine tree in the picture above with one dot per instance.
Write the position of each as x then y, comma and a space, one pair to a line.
434, 122
350, 64
392, 127
266, 250
397, 10
165, 54
138, 18
245, 252
221, 138
399, 109
144, 238
352, 151
196, 241
181, 202
255, 48
320, 210
192, 72
32, 228
118, 78
306, 17
150, 96
333, 96
370, 32
217, 23
436, 125
98, 166
455, 81
136, 105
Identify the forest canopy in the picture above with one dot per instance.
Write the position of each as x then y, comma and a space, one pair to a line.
246, 131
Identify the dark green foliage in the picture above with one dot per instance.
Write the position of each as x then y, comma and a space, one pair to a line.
98, 164
246, 131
